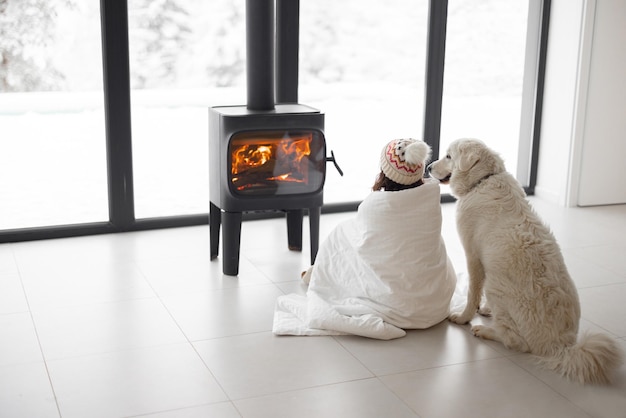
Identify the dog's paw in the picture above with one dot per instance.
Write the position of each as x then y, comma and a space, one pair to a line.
476, 330
484, 310
458, 318
484, 332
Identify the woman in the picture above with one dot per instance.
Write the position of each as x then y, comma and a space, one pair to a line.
384, 271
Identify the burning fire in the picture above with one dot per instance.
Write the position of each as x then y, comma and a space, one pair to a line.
248, 156
261, 161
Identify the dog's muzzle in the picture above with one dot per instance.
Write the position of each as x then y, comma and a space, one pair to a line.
443, 180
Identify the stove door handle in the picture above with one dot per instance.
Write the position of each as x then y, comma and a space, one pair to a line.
334, 161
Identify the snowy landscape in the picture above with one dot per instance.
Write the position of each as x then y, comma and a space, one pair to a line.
361, 63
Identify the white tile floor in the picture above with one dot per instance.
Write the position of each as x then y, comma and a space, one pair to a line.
143, 324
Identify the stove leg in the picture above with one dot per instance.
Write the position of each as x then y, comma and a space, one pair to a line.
294, 229
231, 235
314, 228
215, 219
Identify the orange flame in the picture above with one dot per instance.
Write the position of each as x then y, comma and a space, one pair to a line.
255, 160
248, 156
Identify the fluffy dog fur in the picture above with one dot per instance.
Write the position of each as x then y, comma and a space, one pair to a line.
514, 258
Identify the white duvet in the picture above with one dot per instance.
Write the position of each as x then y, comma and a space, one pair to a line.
376, 275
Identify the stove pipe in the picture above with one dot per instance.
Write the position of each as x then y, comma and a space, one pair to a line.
260, 54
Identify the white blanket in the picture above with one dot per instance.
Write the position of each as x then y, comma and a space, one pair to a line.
376, 275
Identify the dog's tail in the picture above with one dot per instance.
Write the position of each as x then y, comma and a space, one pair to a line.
591, 360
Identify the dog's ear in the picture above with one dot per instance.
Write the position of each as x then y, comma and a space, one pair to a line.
468, 157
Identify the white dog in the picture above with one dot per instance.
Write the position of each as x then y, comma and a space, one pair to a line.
514, 258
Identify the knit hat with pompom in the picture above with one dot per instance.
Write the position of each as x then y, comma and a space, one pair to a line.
403, 160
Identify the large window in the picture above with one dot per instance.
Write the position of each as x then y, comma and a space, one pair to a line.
484, 74
184, 57
104, 104
52, 147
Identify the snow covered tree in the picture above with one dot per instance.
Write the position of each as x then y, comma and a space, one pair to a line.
159, 32
225, 46
27, 27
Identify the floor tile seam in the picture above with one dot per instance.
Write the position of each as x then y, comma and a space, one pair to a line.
132, 263
9, 274
149, 259
603, 285
417, 413
351, 354
73, 264
158, 294
32, 318
299, 389
26, 311
95, 355
41, 351
114, 351
287, 282
52, 308
498, 354
508, 359
223, 337
596, 264
617, 272
234, 335
260, 271
214, 291
211, 291
181, 409
554, 389
217, 290
182, 331
160, 299
22, 363
441, 366
599, 245
217, 381
233, 399
602, 330
206, 365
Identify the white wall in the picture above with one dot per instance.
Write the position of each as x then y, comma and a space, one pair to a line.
603, 169
560, 92
583, 136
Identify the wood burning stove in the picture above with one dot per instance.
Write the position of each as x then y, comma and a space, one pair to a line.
264, 161
264, 156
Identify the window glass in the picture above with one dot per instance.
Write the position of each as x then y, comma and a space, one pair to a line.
362, 63
52, 144
185, 55
484, 71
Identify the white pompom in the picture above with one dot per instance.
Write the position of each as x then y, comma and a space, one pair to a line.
417, 153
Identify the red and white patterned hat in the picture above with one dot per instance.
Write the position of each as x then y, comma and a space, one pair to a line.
403, 160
